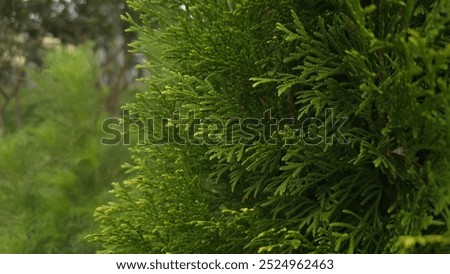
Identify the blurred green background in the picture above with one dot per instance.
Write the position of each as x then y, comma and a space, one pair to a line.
64, 68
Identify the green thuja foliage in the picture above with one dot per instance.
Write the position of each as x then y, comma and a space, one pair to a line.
53, 172
342, 144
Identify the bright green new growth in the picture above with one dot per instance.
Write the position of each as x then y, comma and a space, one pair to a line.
382, 186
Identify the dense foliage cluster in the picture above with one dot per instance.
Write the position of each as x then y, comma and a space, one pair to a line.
359, 165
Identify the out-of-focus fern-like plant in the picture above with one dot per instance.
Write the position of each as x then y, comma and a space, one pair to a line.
372, 177
51, 170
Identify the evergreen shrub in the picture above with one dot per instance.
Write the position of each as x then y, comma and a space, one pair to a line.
343, 136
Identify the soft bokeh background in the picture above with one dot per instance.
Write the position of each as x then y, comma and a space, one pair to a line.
64, 68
